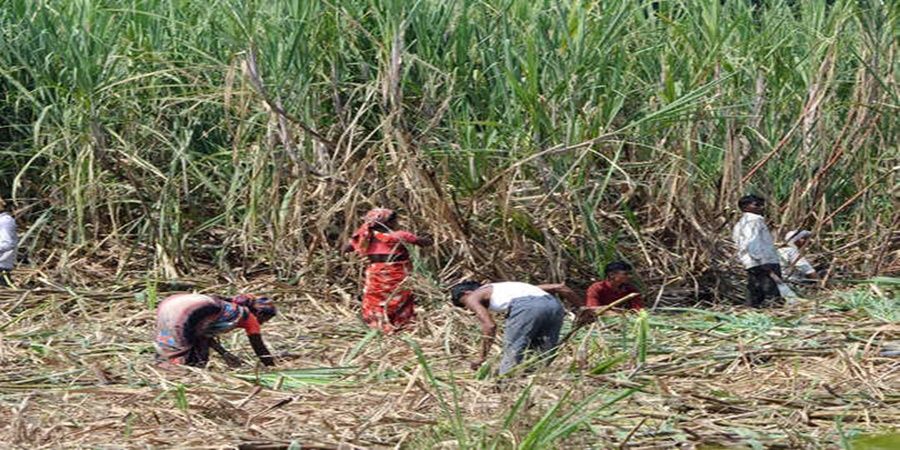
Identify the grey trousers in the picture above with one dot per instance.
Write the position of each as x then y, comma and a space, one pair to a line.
533, 324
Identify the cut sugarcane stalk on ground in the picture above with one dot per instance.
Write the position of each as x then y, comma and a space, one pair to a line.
579, 324
229, 144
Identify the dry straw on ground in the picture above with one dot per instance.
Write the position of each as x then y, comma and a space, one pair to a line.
78, 371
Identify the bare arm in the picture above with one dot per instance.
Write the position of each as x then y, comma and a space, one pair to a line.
475, 302
230, 359
565, 293
808, 270
421, 241
259, 347
573, 300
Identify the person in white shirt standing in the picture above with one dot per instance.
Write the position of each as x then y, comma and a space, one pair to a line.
534, 316
8, 243
795, 266
756, 252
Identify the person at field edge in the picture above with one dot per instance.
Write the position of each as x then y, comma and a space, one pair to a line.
795, 266
534, 316
187, 326
756, 252
388, 305
616, 285
8, 244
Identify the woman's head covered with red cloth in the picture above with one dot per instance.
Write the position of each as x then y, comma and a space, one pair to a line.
378, 218
260, 306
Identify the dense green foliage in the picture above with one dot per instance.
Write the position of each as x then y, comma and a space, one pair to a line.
238, 132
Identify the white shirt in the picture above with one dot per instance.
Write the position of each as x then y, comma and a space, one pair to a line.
754, 242
793, 264
505, 292
8, 241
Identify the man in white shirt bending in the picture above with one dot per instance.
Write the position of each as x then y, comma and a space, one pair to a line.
794, 265
756, 252
8, 242
534, 316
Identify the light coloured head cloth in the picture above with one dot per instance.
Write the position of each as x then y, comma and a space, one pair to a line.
795, 235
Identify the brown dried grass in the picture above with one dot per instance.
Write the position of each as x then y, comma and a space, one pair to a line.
78, 372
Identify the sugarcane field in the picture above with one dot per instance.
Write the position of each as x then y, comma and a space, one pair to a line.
449, 224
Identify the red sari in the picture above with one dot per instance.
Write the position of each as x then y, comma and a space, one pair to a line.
388, 305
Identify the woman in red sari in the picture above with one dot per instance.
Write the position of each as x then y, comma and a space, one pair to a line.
387, 304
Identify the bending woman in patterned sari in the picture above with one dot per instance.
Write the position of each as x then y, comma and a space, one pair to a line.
388, 305
187, 326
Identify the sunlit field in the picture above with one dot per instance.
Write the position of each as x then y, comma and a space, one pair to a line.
160, 146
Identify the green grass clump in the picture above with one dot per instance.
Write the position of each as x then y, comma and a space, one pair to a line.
299, 378
182, 133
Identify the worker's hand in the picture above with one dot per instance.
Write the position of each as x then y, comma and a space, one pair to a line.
476, 363
614, 312
565, 289
231, 360
584, 316
166, 365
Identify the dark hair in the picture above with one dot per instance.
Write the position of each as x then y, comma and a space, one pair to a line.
616, 266
748, 199
383, 226
459, 289
258, 305
263, 314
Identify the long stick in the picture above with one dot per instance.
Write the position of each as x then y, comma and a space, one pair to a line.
775, 150
596, 312
783, 289
256, 81
858, 195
